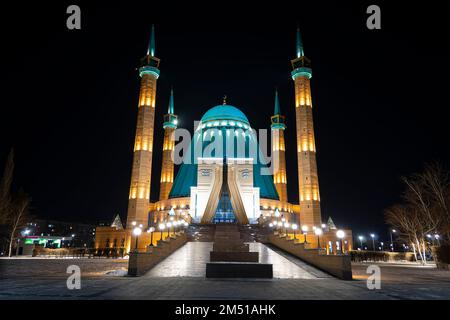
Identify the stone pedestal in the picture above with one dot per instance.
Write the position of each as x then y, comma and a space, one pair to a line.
238, 270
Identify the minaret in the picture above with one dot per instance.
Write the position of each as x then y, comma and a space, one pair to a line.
141, 174
170, 124
306, 149
278, 151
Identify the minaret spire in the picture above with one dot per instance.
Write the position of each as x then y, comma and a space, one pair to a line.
151, 45
171, 104
278, 151
141, 173
167, 168
309, 195
277, 104
300, 52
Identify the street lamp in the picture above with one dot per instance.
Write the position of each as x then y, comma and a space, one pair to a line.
318, 233
392, 243
382, 245
286, 226
137, 232
432, 239
294, 227
168, 224
341, 234
161, 228
151, 230
373, 241
437, 237
279, 224
361, 238
305, 232
277, 216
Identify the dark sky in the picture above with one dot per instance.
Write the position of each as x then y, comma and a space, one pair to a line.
69, 98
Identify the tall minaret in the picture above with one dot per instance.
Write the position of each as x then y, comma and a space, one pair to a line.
170, 124
138, 204
278, 151
306, 149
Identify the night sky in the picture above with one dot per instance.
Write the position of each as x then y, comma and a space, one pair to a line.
69, 98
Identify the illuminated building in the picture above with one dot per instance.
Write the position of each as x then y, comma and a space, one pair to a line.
223, 177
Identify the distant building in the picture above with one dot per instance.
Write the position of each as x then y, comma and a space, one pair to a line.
53, 233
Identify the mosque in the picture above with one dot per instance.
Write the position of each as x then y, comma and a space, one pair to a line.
223, 177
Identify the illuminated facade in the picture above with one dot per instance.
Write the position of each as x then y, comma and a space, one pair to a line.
222, 177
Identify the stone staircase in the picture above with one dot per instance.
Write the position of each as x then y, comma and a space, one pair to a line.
232, 258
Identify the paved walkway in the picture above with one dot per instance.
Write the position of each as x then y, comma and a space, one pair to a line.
190, 261
46, 279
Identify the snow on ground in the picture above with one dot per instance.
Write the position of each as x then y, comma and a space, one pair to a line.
56, 267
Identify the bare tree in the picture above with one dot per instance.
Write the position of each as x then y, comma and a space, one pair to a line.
408, 223
5, 188
425, 208
436, 181
18, 217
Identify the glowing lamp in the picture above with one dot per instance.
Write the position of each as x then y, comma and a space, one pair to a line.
340, 234
137, 231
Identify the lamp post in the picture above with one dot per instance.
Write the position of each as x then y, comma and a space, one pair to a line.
151, 230
305, 232
430, 237
373, 241
137, 232
361, 238
161, 228
392, 243
318, 233
294, 227
437, 237
168, 224
286, 226
341, 234
277, 215
279, 225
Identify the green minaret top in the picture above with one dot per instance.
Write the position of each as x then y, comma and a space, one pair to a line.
171, 104
149, 64
170, 119
278, 120
151, 46
277, 104
300, 52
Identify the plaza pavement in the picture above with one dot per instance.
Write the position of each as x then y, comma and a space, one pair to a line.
180, 276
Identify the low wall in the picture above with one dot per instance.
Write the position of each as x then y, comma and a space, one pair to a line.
385, 256
336, 265
141, 262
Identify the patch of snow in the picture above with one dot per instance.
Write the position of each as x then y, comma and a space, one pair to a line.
122, 272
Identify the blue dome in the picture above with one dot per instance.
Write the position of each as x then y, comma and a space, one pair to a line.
225, 112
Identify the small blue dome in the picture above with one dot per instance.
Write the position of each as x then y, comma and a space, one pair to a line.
225, 112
